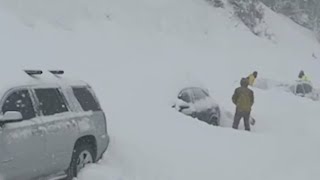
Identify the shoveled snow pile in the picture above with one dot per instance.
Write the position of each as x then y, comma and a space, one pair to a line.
138, 54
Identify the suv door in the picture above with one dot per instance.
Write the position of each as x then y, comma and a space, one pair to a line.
22, 143
61, 128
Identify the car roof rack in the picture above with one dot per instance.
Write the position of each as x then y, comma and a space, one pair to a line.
56, 72
33, 72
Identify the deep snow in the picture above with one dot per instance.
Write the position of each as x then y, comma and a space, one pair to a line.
138, 54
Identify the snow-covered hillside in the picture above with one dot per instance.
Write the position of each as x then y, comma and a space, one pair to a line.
138, 54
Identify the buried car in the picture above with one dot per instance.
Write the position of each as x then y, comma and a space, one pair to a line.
197, 103
300, 88
305, 89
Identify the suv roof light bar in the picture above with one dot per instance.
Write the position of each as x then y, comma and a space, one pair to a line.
56, 72
33, 72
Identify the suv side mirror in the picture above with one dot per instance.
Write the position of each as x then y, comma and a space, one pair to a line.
11, 116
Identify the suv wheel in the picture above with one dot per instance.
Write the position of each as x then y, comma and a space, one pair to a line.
83, 154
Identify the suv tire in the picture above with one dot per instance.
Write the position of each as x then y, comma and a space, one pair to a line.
83, 154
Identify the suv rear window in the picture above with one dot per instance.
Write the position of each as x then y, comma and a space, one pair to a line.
19, 101
86, 99
51, 101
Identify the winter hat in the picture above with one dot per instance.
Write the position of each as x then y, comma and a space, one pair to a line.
244, 82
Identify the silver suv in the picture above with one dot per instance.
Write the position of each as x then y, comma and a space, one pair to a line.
50, 128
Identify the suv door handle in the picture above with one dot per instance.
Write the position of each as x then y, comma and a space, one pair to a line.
74, 123
71, 124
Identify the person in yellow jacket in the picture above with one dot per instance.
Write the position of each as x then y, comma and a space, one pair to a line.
303, 77
252, 78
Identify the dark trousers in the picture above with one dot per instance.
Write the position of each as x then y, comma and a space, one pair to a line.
237, 118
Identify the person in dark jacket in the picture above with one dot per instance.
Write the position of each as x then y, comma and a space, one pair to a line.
243, 98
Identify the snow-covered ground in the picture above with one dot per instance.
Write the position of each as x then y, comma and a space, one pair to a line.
138, 54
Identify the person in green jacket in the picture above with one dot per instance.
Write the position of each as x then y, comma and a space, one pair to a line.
243, 98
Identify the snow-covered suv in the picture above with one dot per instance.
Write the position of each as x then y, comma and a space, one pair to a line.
49, 127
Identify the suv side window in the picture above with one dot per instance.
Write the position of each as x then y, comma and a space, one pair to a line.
51, 101
20, 101
184, 96
86, 99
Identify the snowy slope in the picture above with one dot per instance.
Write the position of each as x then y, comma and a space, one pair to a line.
138, 54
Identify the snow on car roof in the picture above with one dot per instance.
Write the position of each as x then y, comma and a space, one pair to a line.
10, 79
194, 87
